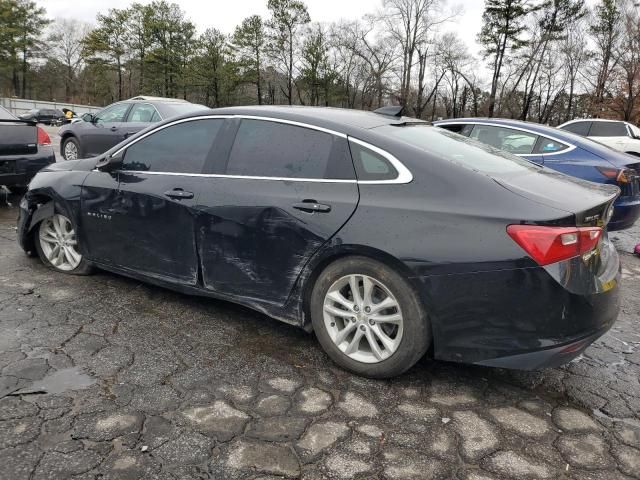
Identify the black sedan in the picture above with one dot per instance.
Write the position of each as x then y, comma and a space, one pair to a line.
48, 116
25, 148
382, 234
99, 132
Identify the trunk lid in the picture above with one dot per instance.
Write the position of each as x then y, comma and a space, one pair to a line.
590, 203
18, 138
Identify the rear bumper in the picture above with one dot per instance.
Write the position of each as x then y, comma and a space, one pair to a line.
547, 358
24, 167
626, 212
525, 318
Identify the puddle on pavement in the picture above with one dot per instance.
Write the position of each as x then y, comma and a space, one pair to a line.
59, 381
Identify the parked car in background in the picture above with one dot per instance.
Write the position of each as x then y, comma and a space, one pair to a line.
25, 148
622, 136
562, 151
49, 116
99, 132
382, 234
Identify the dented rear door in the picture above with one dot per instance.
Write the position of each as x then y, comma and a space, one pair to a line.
285, 191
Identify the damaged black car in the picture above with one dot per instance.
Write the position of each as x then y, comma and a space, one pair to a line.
387, 237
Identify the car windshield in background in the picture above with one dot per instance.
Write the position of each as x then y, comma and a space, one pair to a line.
458, 149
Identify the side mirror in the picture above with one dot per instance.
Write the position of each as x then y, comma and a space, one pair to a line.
109, 164
88, 117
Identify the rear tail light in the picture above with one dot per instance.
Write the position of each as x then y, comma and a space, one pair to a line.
43, 137
548, 245
620, 175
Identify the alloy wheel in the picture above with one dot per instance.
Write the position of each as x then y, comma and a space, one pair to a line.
70, 151
59, 243
363, 318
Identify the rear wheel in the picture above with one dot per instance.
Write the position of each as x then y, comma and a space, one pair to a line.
71, 149
57, 246
368, 318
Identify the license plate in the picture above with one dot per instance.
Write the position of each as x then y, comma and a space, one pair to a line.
7, 166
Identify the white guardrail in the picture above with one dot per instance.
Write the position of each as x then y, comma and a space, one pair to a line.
18, 106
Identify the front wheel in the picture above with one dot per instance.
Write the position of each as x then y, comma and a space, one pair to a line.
71, 149
57, 246
368, 318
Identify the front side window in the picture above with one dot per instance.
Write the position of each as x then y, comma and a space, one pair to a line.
508, 139
546, 145
608, 129
271, 149
115, 113
180, 148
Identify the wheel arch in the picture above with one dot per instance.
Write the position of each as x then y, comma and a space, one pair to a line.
326, 257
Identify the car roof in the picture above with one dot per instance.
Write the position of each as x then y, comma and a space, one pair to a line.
328, 117
602, 120
146, 98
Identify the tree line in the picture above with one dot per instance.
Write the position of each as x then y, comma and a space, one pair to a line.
542, 60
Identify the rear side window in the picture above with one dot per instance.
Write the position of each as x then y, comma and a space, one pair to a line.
181, 148
371, 165
142, 112
546, 145
608, 129
271, 149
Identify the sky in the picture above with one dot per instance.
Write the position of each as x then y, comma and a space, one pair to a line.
226, 14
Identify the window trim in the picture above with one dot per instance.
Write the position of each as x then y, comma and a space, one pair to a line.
404, 174
142, 103
532, 132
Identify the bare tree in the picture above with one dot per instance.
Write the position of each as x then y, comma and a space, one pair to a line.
65, 40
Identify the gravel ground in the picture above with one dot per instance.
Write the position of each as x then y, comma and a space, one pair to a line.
105, 377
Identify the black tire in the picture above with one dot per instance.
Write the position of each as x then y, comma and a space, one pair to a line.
73, 140
83, 268
416, 337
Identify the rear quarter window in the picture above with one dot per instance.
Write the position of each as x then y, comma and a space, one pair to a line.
371, 165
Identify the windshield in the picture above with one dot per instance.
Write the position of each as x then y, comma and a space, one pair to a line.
457, 148
635, 130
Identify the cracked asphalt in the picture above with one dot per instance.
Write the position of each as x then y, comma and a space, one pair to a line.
103, 377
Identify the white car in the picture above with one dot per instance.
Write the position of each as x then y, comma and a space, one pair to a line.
619, 135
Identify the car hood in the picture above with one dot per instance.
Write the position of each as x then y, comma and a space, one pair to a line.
82, 165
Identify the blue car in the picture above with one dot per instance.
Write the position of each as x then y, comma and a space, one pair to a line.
565, 152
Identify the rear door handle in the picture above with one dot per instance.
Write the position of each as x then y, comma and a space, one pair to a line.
179, 194
311, 206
